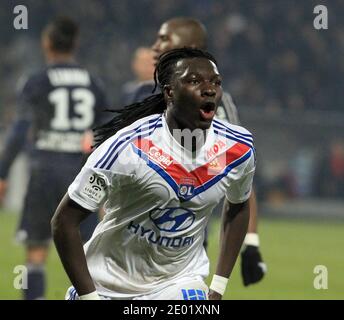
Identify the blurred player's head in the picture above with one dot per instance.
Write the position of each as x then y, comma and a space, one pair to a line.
143, 64
59, 38
178, 33
190, 93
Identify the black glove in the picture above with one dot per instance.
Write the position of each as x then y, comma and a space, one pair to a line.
252, 266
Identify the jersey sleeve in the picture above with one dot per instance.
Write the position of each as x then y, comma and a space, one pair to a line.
14, 143
95, 183
27, 94
92, 185
239, 189
17, 133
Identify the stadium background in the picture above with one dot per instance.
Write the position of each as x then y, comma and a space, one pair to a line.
285, 77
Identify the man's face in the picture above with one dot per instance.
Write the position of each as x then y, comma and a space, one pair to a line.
168, 38
195, 93
143, 64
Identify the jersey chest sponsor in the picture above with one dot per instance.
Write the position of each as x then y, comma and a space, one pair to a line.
159, 156
164, 223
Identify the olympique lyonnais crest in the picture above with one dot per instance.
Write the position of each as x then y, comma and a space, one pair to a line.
186, 188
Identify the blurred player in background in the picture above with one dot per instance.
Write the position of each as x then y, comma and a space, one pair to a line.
189, 32
56, 107
159, 188
142, 66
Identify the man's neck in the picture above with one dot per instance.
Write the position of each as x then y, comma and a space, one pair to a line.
191, 140
56, 58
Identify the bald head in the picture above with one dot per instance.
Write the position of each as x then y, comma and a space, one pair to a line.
191, 31
178, 33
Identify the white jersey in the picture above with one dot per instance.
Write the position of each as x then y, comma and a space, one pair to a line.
158, 198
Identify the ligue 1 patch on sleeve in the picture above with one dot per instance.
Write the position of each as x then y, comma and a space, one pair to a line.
94, 188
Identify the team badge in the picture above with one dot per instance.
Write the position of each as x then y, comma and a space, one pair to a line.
186, 188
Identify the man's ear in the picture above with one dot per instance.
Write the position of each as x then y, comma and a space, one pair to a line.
168, 91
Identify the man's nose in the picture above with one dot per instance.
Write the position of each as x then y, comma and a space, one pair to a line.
209, 90
155, 46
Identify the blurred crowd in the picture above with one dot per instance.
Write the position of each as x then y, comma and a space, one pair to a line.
269, 52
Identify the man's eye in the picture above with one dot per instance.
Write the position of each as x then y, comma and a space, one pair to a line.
218, 82
193, 81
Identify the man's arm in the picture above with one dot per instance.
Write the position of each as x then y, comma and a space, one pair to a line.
65, 229
14, 143
234, 226
16, 138
253, 223
252, 266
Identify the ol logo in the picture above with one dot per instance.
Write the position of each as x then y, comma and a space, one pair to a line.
172, 219
186, 188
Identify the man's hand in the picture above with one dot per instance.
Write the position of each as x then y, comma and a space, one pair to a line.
3, 189
213, 295
87, 142
252, 266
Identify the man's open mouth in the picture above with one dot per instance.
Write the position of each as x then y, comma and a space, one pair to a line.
207, 110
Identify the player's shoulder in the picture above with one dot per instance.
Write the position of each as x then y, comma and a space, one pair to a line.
31, 81
114, 147
232, 133
143, 126
240, 136
146, 85
225, 126
143, 90
97, 81
36, 75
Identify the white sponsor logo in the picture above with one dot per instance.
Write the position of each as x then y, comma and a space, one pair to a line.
158, 156
215, 149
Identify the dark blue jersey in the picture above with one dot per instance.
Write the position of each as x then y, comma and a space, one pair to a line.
55, 108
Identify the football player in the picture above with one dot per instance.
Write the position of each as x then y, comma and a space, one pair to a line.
189, 32
57, 108
159, 188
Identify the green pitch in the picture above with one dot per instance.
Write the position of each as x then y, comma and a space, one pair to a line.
290, 248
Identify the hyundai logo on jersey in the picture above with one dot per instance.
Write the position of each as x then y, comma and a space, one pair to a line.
172, 219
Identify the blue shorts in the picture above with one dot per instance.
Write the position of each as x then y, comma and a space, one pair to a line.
47, 186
